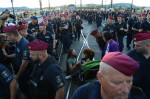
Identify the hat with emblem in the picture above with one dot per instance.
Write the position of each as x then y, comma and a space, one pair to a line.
126, 65
141, 36
9, 28
37, 45
21, 27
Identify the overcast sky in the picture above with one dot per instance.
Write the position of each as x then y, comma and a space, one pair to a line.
35, 3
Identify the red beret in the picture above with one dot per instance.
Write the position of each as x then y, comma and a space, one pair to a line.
49, 16
140, 16
24, 21
144, 11
120, 15
37, 45
133, 13
42, 24
141, 36
45, 20
94, 32
121, 62
20, 27
111, 18
44, 17
9, 28
149, 13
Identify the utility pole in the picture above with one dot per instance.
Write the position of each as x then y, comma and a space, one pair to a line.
40, 4
75, 4
13, 7
81, 4
131, 5
111, 3
49, 4
102, 3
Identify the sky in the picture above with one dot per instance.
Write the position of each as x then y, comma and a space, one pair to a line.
35, 3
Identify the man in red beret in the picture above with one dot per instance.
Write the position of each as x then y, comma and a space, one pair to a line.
141, 54
145, 26
47, 37
23, 32
114, 80
46, 81
21, 56
130, 32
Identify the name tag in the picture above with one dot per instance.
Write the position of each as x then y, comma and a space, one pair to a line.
46, 36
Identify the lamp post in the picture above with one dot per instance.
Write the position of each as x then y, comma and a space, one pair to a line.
49, 4
111, 3
131, 5
12, 7
102, 3
81, 4
40, 1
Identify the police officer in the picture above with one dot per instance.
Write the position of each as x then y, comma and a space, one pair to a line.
145, 26
65, 34
23, 32
33, 26
8, 85
21, 55
111, 28
98, 18
136, 26
121, 30
130, 33
108, 86
141, 54
47, 37
52, 23
78, 26
46, 80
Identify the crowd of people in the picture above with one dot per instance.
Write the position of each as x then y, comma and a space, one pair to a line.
28, 54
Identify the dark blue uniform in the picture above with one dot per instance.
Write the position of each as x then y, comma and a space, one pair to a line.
130, 33
111, 29
145, 26
92, 91
120, 34
136, 26
30, 38
5, 78
78, 26
98, 19
45, 80
48, 38
31, 26
65, 36
141, 77
53, 24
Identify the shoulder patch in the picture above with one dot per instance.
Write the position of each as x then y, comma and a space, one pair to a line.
5, 74
25, 53
58, 79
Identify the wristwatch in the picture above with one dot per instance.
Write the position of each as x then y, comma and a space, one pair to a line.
1, 18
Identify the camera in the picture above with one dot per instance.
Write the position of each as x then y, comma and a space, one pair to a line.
10, 15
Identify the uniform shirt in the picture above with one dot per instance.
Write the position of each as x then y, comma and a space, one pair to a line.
137, 26
131, 22
141, 77
92, 91
53, 24
118, 26
46, 81
5, 78
111, 29
21, 51
31, 26
50, 29
30, 38
78, 24
145, 26
101, 43
64, 31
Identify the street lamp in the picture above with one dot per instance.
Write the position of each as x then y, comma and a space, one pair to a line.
131, 5
111, 3
81, 4
102, 3
12, 7
40, 4
49, 4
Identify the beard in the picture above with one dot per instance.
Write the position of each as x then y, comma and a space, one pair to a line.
37, 61
122, 96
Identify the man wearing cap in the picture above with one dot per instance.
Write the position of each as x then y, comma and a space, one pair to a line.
114, 80
141, 54
21, 55
33, 26
110, 27
23, 32
46, 80
130, 24
121, 30
99, 39
47, 37
145, 26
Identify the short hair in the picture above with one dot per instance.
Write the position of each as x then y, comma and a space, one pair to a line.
14, 32
2, 36
146, 41
107, 35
